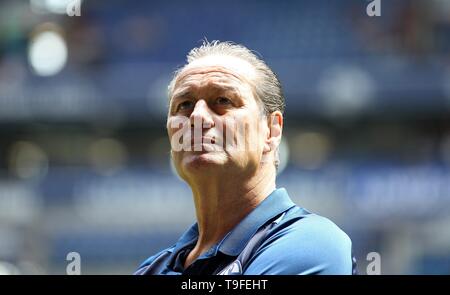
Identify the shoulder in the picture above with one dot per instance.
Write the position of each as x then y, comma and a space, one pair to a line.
315, 230
309, 244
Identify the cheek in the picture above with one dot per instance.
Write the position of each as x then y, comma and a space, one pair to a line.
244, 135
177, 129
170, 133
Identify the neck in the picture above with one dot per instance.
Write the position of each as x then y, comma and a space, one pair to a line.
221, 202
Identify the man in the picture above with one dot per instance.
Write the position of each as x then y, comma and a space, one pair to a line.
226, 107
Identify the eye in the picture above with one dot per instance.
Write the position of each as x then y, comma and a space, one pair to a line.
185, 105
223, 101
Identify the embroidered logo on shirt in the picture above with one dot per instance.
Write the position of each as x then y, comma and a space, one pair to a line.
234, 268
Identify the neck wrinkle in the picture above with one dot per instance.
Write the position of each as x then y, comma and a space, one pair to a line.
222, 205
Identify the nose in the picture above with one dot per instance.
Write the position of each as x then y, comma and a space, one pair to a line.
201, 115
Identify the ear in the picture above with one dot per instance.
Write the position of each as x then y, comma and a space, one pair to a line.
275, 124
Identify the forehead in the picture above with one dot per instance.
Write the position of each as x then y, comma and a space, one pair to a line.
218, 69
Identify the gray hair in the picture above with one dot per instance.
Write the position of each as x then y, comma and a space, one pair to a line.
268, 87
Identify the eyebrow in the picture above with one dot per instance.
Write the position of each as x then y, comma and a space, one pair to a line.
181, 94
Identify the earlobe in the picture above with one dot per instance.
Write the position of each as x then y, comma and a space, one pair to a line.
267, 147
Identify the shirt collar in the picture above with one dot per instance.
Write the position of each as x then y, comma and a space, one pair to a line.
276, 203
234, 242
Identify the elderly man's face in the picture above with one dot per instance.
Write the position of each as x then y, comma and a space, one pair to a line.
214, 120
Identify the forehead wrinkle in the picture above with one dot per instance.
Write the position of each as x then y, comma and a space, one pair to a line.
211, 71
205, 69
208, 75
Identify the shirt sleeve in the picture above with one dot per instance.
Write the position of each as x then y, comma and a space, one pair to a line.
312, 245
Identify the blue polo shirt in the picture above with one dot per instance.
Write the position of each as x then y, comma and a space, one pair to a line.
295, 241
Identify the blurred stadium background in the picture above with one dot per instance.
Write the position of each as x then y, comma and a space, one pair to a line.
84, 160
